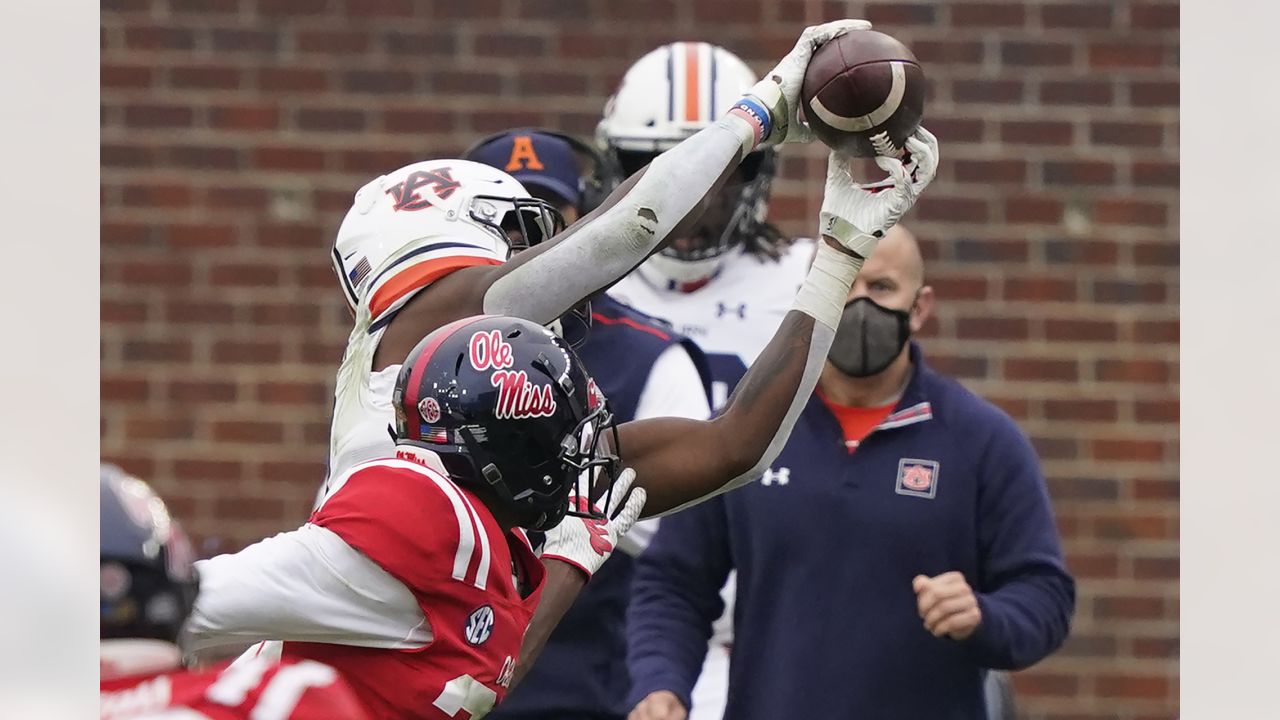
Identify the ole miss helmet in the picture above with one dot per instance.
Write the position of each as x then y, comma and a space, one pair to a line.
148, 573
511, 411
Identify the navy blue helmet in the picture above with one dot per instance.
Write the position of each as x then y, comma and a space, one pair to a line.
510, 409
148, 582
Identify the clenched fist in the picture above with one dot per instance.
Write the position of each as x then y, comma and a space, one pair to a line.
947, 605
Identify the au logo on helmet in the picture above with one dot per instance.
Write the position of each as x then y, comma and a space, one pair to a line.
406, 193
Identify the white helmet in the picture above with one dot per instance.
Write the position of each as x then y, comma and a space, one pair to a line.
666, 96
447, 207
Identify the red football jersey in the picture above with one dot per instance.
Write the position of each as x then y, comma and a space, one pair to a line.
251, 690
466, 574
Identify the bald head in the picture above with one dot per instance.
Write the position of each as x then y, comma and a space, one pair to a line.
897, 255
894, 277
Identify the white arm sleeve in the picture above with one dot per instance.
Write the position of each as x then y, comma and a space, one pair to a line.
673, 389
305, 585
604, 249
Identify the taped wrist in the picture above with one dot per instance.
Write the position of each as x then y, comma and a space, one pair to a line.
849, 235
826, 287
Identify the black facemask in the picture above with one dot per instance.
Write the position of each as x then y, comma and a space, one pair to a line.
869, 338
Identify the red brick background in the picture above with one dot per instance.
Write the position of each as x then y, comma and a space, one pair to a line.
235, 131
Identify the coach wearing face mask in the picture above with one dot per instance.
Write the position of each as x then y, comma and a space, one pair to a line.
900, 547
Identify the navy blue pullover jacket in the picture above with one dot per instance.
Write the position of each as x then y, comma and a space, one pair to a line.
826, 545
582, 671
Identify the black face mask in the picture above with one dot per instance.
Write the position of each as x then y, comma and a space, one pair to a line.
869, 338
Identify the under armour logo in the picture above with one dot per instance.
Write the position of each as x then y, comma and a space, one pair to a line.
781, 476
740, 311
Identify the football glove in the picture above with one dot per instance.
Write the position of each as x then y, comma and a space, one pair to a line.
778, 92
859, 215
587, 542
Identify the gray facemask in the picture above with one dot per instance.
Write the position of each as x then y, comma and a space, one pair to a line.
870, 336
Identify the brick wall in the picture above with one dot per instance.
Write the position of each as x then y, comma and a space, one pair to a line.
235, 131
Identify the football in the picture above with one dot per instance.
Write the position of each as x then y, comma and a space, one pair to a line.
863, 94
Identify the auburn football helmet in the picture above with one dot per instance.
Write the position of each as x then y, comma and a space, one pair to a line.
454, 207
666, 96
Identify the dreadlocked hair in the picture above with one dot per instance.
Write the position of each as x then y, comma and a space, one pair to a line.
767, 242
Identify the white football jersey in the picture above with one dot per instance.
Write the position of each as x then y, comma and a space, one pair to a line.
734, 315
362, 407
405, 230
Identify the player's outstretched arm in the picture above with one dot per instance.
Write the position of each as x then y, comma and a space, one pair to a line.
305, 585
662, 202
681, 461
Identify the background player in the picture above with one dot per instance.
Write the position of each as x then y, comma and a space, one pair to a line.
730, 280
646, 370
148, 586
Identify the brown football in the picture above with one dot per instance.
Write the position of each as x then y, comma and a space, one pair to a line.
863, 94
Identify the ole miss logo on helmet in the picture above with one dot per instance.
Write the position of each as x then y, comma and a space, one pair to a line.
518, 398
488, 350
406, 194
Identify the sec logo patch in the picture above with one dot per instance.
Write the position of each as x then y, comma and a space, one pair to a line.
479, 625
917, 477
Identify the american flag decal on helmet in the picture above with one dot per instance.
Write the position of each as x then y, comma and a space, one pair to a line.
359, 272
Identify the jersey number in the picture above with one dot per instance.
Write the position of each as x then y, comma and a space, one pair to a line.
465, 693
279, 697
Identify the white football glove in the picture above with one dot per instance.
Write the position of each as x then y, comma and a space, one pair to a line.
587, 543
859, 215
779, 90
